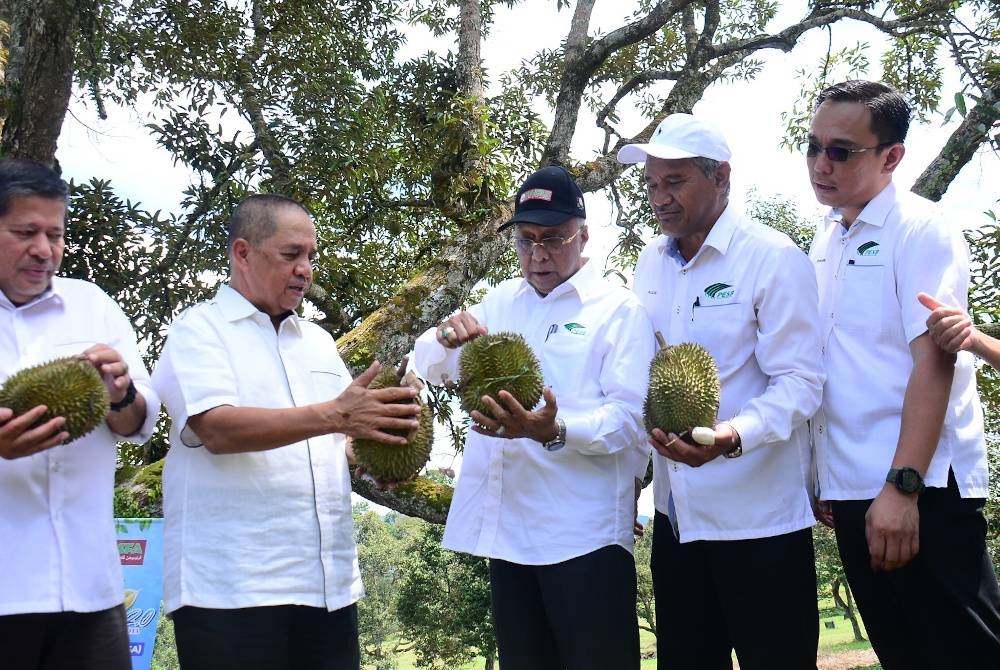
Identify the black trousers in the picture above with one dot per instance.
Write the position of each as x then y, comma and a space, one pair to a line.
65, 641
575, 615
755, 596
941, 610
283, 637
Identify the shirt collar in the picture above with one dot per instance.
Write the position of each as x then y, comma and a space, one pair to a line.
718, 238
234, 306
52, 293
874, 213
584, 281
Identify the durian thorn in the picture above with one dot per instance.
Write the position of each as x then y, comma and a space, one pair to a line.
660, 340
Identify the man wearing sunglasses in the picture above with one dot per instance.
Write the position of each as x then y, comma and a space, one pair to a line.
548, 492
901, 458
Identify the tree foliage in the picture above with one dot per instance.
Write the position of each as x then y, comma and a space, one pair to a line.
444, 603
408, 162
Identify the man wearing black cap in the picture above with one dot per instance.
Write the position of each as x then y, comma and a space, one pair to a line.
547, 493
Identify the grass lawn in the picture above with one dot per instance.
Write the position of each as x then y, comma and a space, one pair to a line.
831, 640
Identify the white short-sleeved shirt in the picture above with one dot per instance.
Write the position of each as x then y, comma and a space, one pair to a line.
748, 297
57, 534
514, 500
263, 528
869, 276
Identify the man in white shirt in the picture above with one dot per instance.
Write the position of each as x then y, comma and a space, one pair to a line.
548, 492
61, 589
732, 553
899, 414
260, 567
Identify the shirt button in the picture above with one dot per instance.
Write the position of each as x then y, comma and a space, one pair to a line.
677, 310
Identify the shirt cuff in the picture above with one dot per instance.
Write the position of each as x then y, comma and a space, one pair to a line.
750, 430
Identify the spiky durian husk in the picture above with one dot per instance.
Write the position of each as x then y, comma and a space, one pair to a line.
69, 387
497, 362
393, 461
683, 389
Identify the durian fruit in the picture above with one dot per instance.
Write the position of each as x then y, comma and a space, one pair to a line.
393, 461
497, 362
683, 389
69, 387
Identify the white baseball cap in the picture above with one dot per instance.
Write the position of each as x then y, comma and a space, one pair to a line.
679, 136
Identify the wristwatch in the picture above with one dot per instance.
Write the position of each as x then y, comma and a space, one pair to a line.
129, 398
559, 441
907, 480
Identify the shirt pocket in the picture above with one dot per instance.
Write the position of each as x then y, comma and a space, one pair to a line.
725, 330
328, 383
860, 305
564, 358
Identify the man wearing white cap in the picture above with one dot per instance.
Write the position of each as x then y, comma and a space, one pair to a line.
732, 554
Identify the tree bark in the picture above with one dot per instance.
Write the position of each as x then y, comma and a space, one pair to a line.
39, 76
961, 146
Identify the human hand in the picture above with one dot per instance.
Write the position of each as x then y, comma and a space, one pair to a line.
823, 510
510, 420
892, 528
459, 329
112, 368
18, 439
686, 451
361, 412
949, 327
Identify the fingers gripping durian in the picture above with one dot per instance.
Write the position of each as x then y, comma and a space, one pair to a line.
69, 387
683, 391
393, 461
497, 362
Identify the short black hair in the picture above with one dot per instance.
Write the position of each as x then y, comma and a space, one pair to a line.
255, 219
890, 109
22, 177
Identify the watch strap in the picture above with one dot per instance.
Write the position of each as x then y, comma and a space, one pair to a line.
129, 398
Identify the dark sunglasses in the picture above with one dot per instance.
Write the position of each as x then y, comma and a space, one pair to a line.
838, 154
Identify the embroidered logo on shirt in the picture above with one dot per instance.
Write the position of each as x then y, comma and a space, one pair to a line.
576, 328
869, 248
720, 290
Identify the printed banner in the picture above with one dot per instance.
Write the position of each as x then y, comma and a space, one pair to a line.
140, 547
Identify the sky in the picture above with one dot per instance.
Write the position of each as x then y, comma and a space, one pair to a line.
749, 114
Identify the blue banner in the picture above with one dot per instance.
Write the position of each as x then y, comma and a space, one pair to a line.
140, 547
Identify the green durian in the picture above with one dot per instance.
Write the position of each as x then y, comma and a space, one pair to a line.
498, 362
69, 387
683, 389
393, 461
991, 329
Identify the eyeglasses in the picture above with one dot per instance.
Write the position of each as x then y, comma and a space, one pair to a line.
550, 244
838, 154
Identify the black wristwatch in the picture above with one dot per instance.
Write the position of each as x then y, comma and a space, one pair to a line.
907, 480
127, 400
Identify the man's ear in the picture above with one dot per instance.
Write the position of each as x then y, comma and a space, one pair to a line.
893, 157
241, 249
722, 174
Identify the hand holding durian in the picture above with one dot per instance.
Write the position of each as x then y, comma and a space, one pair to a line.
682, 403
500, 381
